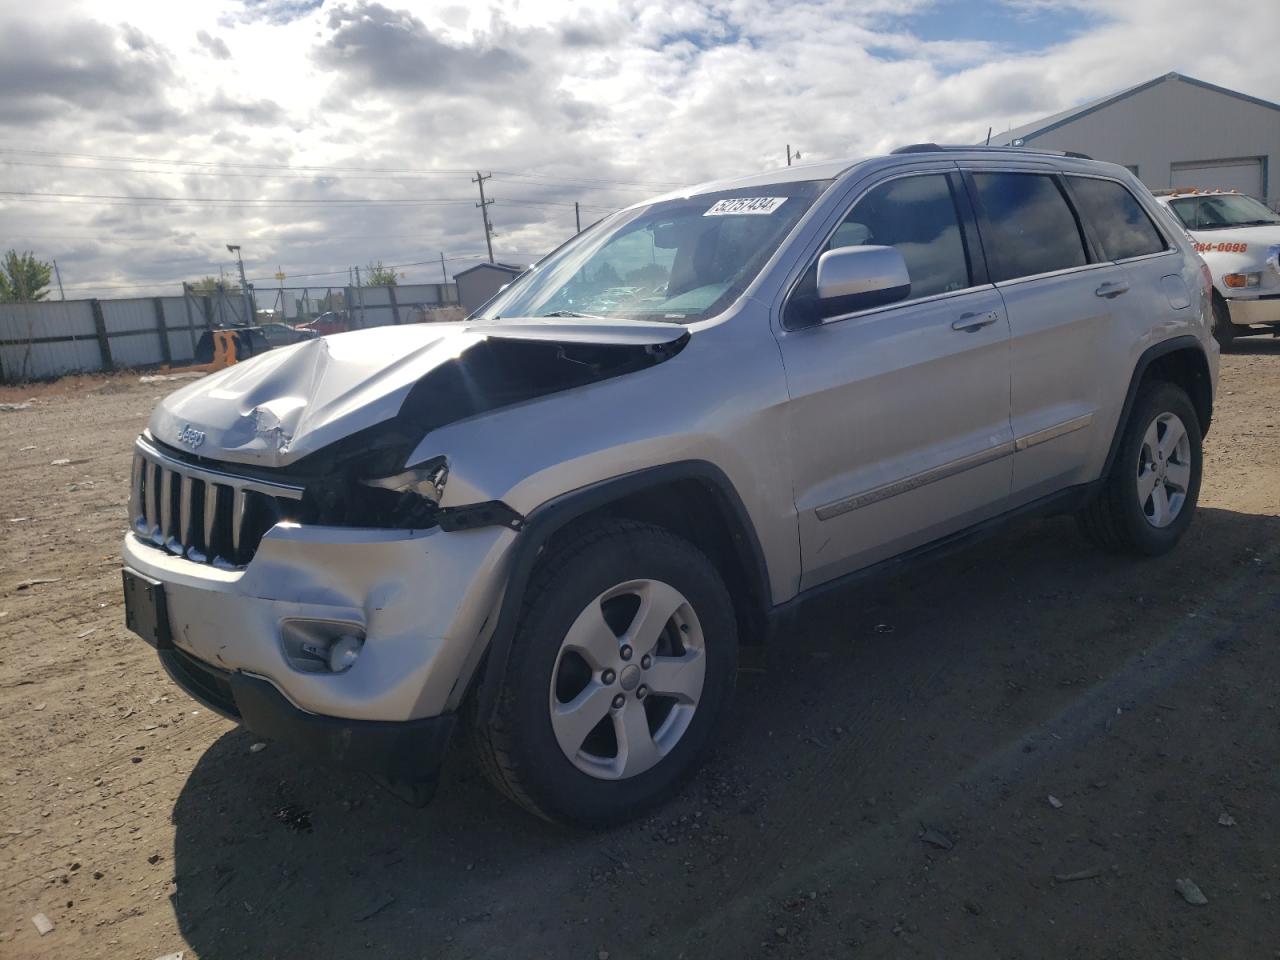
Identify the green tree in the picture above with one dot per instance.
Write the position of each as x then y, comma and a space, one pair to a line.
23, 278
379, 276
207, 285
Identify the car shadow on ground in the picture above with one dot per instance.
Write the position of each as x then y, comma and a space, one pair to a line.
1262, 345
888, 689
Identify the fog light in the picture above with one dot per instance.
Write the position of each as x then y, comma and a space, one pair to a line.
321, 646
343, 653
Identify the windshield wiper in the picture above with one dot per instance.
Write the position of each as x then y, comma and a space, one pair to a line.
570, 313
1255, 223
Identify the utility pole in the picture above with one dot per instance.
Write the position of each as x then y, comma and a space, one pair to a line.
444, 274
280, 278
577, 216
360, 295
484, 212
249, 318
788, 154
58, 273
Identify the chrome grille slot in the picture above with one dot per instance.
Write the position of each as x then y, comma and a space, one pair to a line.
204, 515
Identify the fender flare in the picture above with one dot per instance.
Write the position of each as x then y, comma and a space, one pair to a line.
544, 521
1149, 356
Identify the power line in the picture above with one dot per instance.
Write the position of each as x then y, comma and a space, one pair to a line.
441, 171
309, 178
114, 199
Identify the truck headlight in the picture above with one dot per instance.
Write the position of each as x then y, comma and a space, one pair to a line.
1240, 281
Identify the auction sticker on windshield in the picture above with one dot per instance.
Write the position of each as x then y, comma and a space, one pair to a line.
741, 205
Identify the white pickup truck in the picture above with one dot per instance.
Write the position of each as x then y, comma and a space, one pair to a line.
1239, 238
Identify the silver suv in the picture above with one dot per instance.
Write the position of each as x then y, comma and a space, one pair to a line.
559, 520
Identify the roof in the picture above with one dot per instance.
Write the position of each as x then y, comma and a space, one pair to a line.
504, 267
1029, 131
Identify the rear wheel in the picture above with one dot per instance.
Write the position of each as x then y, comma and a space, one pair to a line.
1148, 499
1224, 330
621, 668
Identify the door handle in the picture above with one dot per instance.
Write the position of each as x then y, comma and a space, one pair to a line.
969, 322
1112, 288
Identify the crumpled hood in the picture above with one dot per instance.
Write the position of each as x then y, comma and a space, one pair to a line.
278, 407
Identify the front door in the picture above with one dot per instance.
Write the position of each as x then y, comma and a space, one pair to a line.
899, 415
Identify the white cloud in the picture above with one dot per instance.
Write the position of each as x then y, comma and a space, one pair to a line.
572, 96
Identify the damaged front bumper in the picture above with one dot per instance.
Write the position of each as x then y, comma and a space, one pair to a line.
419, 603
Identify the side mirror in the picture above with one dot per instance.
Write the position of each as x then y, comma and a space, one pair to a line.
856, 278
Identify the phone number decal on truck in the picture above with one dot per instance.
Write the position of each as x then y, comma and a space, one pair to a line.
1221, 247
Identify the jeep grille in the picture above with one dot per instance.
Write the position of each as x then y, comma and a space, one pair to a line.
201, 514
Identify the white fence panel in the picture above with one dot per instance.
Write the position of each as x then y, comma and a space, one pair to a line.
182, 338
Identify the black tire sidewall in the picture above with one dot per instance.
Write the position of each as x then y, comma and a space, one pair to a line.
1157, 399
561, 790
1223, 329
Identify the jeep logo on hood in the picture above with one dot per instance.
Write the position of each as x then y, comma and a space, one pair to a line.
190, 436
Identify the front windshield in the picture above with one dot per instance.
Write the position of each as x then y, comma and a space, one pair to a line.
1220, 210
675, 261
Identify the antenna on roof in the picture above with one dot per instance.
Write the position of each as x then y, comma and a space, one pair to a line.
988, 136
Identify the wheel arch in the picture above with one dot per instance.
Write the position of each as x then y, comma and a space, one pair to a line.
693, 498
1179, 360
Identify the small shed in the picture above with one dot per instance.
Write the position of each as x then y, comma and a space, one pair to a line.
478, 284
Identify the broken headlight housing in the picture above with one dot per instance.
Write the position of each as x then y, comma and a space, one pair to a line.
409, 499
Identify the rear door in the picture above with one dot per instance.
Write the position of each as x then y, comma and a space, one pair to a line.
1060, 295
899, 415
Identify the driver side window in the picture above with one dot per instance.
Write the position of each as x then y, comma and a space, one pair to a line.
917, 216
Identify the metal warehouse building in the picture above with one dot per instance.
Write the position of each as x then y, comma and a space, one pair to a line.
1173, 131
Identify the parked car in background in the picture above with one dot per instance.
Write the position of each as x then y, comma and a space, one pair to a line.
332, 321
555, 523
1239, 238
282, 335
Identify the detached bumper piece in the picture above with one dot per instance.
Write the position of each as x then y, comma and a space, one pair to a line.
405, 755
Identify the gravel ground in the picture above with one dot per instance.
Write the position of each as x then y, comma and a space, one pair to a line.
1013, 752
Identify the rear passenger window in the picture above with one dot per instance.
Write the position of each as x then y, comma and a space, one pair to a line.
917, 216
1117, 218
1030, 228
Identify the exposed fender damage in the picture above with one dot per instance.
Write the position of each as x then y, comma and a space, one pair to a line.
341, 413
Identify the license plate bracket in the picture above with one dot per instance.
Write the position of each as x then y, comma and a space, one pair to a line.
146, 612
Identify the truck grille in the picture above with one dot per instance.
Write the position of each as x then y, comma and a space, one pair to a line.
203, 515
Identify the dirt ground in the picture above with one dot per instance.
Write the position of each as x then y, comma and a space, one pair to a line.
1042, 710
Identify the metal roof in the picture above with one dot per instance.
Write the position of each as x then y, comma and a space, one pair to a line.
1030, 131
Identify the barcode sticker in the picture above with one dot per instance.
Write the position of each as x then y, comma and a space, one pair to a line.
745, 205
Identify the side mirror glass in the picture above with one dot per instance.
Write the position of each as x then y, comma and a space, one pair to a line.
856, 278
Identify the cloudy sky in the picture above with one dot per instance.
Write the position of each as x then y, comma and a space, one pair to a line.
137, 137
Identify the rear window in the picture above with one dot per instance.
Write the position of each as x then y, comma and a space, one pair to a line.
1030, 228
1117, 218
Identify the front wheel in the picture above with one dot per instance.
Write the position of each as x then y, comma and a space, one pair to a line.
619, 673
1224, 330
1148, 499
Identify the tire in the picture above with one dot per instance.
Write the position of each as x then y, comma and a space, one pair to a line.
1123, 517
617, 576
1224, 330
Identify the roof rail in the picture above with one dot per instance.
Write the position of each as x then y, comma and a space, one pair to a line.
941, 148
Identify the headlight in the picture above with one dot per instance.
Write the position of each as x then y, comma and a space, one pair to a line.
409, 499
426, 480
1242, 280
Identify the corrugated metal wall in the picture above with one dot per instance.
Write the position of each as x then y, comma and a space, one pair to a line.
47, 339
41, 340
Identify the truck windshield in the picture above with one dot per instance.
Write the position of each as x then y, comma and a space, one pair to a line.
1217, 211
675, 260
